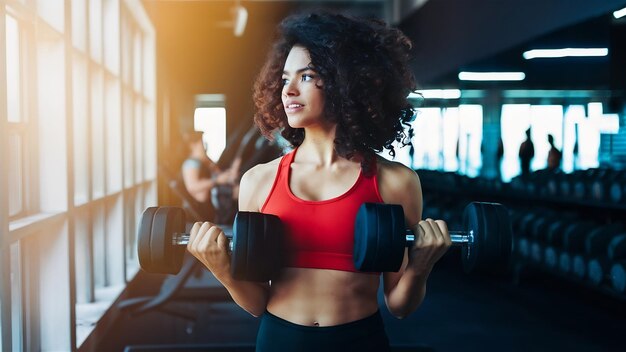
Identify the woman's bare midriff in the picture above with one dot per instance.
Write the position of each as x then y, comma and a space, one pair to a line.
318, 297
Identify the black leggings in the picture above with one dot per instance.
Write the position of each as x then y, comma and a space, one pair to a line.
364, 335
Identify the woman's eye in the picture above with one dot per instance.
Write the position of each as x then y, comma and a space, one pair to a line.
307, 77
285, 81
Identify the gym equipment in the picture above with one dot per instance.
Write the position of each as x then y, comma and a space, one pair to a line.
553, 242
255, 244
573, 243
600, 187
541, 230
617, 255
592, 264
618, 189
618, 276
524, 242
381, 236
257, 240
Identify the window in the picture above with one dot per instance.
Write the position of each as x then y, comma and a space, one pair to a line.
212, 121
17, 136
576, 130
445, 139
81, 161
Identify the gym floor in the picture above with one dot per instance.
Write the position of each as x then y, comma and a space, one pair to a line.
460, 313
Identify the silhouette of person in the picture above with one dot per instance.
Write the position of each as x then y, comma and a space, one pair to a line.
554, 155
526, 154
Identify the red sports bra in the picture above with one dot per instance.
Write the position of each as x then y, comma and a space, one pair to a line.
320, 234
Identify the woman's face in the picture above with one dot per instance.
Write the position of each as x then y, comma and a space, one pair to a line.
302, 95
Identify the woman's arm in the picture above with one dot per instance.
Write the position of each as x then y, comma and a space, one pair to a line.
199, 187
405, 290
209, 244
194, 183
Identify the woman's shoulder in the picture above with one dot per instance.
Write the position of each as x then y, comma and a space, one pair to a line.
396, 180
393, 169
260, 172
256, 185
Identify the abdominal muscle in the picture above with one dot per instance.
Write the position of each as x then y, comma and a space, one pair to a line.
320, 297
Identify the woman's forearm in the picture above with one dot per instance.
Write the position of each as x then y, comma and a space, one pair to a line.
250, 296
200, 185
409, 293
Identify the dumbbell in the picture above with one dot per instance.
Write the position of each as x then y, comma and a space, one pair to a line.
256, 243
573, 243
257, 238
617, 254
600, 186
554, 234
541, 230
380, 238
523, 233
552, 185
594, 263
618, 190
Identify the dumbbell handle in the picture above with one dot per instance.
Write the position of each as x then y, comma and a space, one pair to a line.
183, 238
458, 238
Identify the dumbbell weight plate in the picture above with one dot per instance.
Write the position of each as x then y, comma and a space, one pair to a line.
598, 240
165, 257
617, 247
617, 191
618, 276
579, 266
597, 270
143, 239
573, 243
493, 238
379, 237
257, 246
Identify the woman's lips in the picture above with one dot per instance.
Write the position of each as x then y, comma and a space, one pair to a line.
293, 108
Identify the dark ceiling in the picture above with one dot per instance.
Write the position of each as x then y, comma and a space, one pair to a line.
197, 55
454, 35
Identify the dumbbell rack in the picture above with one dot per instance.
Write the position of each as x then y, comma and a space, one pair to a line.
446, 187
603, 288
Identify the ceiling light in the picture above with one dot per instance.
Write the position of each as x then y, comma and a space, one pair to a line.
240, 19
566, 52
491, 76
437, 94
620, 13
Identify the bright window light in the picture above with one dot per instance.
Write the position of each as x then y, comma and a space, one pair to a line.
212, 121
491, 76
607, 123
620, 13
594, 109
565, 52
437, 94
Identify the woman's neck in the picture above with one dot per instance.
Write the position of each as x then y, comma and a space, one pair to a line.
318, 146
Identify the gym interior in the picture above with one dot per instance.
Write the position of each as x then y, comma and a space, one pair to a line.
97, 96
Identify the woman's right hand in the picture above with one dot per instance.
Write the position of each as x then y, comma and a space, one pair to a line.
209, 245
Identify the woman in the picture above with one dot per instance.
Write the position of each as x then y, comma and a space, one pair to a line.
337, 87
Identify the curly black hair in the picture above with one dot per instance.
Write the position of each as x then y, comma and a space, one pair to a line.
364, 66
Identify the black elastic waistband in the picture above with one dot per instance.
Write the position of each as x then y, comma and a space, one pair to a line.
373, 321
